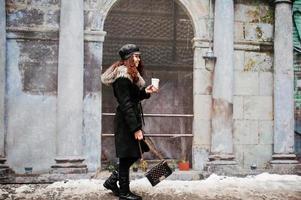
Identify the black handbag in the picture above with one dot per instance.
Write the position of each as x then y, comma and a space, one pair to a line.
160, 171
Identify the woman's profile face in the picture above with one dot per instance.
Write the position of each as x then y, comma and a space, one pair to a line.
136, 58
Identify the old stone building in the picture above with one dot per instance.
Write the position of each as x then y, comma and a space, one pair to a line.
224, 110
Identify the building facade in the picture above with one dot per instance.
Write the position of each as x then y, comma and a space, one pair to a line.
223, 112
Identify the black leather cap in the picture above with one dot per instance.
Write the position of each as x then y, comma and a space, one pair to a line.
127, 51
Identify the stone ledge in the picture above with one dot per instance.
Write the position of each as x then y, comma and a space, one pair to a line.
221, 157
69, 165
69, 160
284, 156
286, 168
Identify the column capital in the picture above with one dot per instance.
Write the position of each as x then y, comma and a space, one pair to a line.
197, 43
274, 2
95, 36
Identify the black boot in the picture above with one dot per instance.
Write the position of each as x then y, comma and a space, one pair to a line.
111, 183
124, 192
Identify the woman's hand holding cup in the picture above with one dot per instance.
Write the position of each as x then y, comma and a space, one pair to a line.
154, 87
151, 89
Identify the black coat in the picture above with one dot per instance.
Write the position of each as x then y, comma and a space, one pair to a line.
128, 116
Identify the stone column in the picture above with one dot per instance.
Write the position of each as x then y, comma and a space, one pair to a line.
2, 74
222, 103
92, 98
70, 89
3, 166
283, 84
202, 88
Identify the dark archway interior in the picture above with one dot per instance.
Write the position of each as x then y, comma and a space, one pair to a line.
163, 31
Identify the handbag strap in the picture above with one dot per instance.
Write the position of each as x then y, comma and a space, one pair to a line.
152, 149
141, 154
142, 115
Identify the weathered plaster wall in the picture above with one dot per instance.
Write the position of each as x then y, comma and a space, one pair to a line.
253, 86
32, 53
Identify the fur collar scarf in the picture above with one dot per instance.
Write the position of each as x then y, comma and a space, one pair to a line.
111, 74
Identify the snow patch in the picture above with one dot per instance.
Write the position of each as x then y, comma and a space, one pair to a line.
24, 189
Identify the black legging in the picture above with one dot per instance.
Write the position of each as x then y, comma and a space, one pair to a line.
125, 164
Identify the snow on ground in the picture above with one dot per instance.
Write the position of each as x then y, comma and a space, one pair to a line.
262, 186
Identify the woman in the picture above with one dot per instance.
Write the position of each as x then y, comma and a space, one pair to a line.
128, 86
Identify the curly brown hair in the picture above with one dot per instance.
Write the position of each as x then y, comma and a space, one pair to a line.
132, 69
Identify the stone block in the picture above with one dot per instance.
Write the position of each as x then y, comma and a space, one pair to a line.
38, 67
252, 11
245, 132
238, 150
39, 51
224, 169
255, 61
286, 169
246, 83
25, 17
202, 82
238, 107
238, 31
37, 78
52, 18
199, 61
265, 130
239, 60
200, 156
259, 32
260, 155
43, 2
202, 105
266, 83
93, 20
203, 28
241, 11
17, 1
201, 132
258, 107
91, 4
201, 7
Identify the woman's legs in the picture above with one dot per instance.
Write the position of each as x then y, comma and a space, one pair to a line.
124, 181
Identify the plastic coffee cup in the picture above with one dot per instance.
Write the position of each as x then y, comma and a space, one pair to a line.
155, 82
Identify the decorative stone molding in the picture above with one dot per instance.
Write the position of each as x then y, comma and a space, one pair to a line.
281, 1
95, 36
199, 43
49, 34
69, 165
32, 33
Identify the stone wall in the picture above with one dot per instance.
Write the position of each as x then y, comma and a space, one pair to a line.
253, 85
31, 82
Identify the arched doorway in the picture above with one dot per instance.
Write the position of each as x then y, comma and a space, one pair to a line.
163, 31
